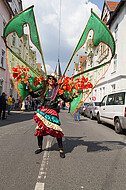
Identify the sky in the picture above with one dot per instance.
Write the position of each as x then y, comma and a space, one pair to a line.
69, 23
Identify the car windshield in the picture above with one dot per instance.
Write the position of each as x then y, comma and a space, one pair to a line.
85, 104
96, 103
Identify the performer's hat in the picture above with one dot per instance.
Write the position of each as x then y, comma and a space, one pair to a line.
53, 75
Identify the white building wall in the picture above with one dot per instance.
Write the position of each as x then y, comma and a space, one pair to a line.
4, 73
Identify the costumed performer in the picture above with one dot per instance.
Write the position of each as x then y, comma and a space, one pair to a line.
46, 116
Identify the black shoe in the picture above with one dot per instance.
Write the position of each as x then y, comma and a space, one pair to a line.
4, 118
38, 151
62, 155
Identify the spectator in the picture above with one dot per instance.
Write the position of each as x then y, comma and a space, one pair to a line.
68, 107
3, 105
63, 105
9, 100
75, 115
13, 103
23, 105
33, 105
26, 104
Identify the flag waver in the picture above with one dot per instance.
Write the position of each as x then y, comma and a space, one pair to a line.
91, 57
15, 27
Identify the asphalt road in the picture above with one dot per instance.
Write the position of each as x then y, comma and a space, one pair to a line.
95, 156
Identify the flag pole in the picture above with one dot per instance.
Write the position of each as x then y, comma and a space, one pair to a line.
40, 48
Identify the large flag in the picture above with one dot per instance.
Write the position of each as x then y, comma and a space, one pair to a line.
19, 52
91, 58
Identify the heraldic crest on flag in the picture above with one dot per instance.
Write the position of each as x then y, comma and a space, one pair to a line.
88, 64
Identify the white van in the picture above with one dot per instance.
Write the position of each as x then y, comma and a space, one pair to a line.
112, 110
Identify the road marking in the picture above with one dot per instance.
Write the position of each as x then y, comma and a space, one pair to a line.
43, 169
39, 186
75, 123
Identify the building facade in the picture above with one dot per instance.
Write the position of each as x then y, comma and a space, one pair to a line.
5, 14
8, 8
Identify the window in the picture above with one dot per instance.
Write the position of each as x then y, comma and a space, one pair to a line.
115, 63
95, 93
119, 98
116, 33
2, 57
14, 39
11, 87
113, 87
1, 87
116, 99
16, 12
96, 103
103, 91
100, 93
103, 101
4, 23
110, 100
105, 19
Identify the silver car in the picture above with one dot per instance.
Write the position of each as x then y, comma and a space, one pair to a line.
82, 108
92, 110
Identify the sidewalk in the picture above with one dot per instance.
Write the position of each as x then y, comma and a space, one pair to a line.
15, 117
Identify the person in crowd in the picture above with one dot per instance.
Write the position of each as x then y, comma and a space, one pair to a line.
13, 103
33, 105
46, 116
63, 105
3, 105
23, 105
26, 104
9, 100
77, 114
68, 107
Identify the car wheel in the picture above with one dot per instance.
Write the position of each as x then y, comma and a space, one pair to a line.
98, 118
91, 116
118, 127
84, 114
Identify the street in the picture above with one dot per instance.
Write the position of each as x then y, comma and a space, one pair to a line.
95, 156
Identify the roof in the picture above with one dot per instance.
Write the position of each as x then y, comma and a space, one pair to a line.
83, 59
112, 5
58, 70
39, 65
120, 4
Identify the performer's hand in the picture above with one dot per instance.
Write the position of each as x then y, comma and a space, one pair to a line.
28, 86
75, 94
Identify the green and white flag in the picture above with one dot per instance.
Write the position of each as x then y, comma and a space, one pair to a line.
19, 52
91, 57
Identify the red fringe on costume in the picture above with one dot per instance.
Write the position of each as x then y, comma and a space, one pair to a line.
44, 129
49, 111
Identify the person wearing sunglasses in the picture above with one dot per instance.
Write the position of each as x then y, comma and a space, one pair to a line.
46, 116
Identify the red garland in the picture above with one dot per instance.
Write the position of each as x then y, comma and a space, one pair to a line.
21, 74
79, 84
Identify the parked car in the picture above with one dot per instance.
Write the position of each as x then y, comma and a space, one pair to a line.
112, 110
92, 110
83, 107
86, 109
